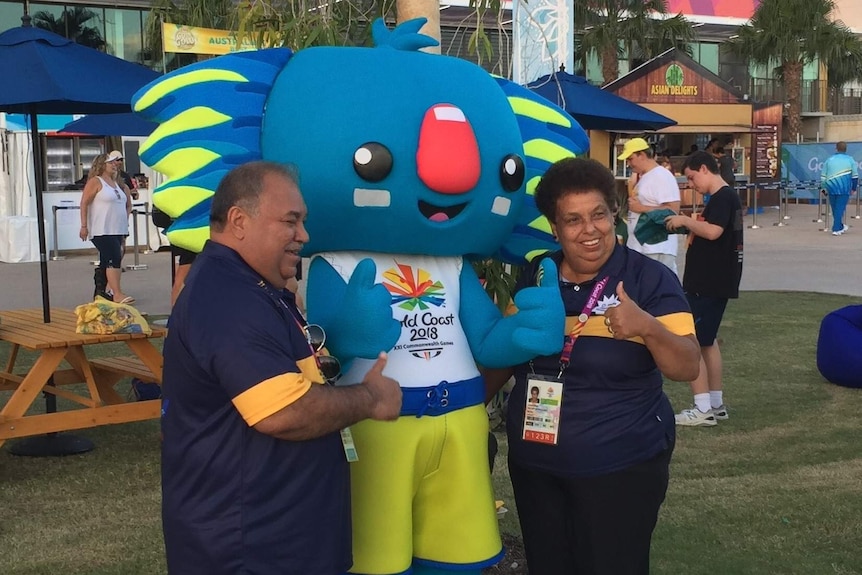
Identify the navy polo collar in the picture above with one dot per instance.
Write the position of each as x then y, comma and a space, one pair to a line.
234, 260
613, 267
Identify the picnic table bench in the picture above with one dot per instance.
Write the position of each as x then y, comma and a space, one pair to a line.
55, 342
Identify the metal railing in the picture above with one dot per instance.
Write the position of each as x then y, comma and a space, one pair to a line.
838, 101
843, 101
138, 209
772, 90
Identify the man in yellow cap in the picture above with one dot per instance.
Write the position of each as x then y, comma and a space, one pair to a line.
651, 187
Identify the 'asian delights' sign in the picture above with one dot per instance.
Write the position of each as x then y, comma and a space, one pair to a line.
674, 84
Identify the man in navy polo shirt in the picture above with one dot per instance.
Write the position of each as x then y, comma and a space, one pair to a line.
254, 474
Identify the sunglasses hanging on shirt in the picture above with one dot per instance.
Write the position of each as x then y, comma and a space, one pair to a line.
329, 366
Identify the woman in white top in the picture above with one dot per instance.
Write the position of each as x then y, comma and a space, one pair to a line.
105, 209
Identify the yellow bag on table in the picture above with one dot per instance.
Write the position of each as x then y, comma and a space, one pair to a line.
102, 316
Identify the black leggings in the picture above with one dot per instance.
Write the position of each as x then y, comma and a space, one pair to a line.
110, 250
590, 525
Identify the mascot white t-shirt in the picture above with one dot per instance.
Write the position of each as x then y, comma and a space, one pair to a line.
426, 300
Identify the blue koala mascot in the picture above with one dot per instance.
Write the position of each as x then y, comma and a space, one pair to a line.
411, 165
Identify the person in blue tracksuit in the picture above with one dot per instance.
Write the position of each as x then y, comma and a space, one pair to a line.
839, 179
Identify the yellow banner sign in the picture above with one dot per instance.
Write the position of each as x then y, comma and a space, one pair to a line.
193, 40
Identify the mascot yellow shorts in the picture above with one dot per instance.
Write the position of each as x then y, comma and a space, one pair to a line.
422, 490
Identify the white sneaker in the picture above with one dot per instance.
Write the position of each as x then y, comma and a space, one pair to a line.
837, 233
720, 412
695, 418
846, 229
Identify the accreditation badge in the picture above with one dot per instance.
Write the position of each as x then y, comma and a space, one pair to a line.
542, 409
349, 446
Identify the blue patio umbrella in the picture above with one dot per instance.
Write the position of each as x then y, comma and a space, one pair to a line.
127, 124
43, 73
594, 108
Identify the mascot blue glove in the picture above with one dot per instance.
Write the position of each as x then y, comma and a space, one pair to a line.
360, 324
541, 317
536, 329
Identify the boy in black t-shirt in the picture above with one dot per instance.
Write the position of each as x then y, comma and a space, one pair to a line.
713, 270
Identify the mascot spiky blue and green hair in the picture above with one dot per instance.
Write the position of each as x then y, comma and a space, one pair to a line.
410, 164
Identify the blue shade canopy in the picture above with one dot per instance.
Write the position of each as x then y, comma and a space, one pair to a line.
47, 122
47, 74
43, 73
127, 124
594, 108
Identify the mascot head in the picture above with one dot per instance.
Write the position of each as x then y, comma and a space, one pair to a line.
398, 150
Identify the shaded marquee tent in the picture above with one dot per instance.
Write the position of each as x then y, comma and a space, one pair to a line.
126, 124
597, 109
43, 73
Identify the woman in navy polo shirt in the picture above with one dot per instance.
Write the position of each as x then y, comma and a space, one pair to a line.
589, 462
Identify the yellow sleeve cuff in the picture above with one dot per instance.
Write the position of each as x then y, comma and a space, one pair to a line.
681, 323
269, 396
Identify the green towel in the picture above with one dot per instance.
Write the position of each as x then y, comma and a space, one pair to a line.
650, 228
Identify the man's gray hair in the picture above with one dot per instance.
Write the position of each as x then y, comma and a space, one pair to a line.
242, 187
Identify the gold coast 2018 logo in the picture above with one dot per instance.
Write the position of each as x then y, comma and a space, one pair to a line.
413, 290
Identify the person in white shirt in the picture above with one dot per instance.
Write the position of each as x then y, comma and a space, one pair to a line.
651, 187
105, 208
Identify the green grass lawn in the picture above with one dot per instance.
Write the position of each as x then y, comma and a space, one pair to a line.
776, 489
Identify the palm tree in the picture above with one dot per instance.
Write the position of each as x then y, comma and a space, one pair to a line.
790, 34
47, 21
72, 24
844, 64
643, 27
304, 23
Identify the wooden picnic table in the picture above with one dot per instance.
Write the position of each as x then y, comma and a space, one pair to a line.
55, 342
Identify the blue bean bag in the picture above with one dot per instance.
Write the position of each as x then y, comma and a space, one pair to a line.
839, 346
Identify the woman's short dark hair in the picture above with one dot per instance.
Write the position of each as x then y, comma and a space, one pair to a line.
575, 176
242, 187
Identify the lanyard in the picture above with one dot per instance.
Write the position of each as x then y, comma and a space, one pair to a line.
302, 324
582, 321
283, 304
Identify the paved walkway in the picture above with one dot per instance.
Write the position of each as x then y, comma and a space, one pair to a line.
796, 257
71, 282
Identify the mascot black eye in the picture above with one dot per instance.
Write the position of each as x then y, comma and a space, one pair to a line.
512, 172
372, 161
